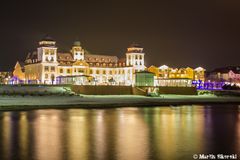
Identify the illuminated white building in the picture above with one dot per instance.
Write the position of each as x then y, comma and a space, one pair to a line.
48, 66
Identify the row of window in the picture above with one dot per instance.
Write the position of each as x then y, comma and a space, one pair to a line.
49, 68
52, 76
110, 71
79, 70
49, 52
68, 71
101, 59
135, 57
79, 53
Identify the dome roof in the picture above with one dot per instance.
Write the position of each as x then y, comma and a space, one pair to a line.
77, 43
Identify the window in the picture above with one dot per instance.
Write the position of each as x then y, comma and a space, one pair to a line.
68, 70
46, 68
51, 58
91, 71
80, 70
104, 71
97, 72
46, 52
52, 52
61, 70
52, 69
46, 76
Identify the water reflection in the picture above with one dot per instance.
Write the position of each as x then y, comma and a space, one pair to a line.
77, 133
127, 133
47, 128
131, 135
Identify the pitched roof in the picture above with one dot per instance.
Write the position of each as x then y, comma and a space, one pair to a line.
235, 69
100, 58
64, 57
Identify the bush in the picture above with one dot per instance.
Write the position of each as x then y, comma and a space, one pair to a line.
230, 87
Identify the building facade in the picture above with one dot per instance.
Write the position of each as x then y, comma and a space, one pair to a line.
49, 66
225, 74
167, 76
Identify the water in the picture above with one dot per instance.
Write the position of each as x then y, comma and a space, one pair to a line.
121, 134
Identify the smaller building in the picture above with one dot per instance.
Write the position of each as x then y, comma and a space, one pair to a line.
144, 78
225, 74
5, 77
18, 73
166, 76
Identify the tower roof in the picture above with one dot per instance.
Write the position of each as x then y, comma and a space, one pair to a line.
47, 38
134, 45
47, 41
134, 48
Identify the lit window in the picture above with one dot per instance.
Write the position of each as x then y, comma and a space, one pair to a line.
61, 70
46, 52
68, 70
52, 68
46, 68
52, 52
46, 75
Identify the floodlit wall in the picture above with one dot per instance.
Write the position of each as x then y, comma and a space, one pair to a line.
33, 90
178, 90
102, 90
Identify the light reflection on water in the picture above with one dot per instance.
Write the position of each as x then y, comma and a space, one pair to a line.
126, 133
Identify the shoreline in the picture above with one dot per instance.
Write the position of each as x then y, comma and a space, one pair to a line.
11, 103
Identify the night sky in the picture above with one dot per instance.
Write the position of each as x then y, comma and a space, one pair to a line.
177, 33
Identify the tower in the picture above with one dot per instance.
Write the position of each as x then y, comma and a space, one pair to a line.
135, 57
47, 51
77, 51
47, 56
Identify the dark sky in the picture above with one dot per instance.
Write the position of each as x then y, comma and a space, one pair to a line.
176, 33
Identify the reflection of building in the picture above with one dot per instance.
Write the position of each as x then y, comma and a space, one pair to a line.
47, 65
166, 76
